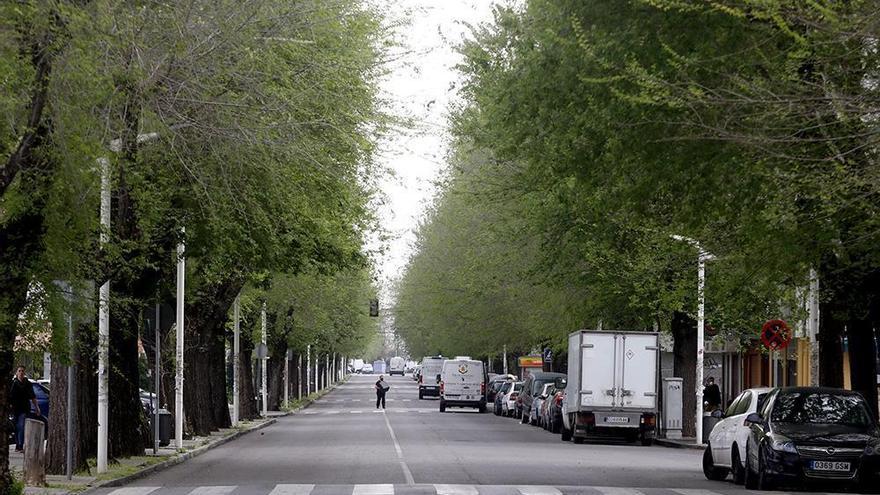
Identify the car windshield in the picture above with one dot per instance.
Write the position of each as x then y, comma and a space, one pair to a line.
505, 387
820, 408
517, 387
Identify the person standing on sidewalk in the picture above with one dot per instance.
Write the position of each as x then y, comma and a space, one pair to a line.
21, 397
381, 389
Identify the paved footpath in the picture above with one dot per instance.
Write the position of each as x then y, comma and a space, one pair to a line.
343, 445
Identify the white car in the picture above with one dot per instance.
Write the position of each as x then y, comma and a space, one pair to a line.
535, 411
367, 369
727, 441
508, 401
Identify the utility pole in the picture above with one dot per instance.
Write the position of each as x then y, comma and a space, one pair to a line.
178, 378
157, 379
287, 356
308, 369
263, 363
236, 331
103, 326
299, 376
505, 359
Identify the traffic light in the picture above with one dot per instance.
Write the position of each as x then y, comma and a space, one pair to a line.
374, 307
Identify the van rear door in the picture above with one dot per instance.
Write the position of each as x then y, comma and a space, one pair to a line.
598, 373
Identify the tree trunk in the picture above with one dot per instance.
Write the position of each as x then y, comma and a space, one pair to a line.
863, 360
204, 397
85, 415
684, 333
246, 400
128, 432
830, 348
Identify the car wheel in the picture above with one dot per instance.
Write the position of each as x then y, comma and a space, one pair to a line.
497, 411
523, 418
712, 472
646, 440
555, 427
421, 395
566, 434
578, 440
751, 480
482, 408
739, 473
442, 405
764, 482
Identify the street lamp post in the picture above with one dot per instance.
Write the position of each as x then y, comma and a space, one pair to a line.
702, 257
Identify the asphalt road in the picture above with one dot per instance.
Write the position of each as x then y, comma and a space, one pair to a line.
343, 445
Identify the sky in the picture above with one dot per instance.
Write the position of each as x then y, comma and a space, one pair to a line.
420, 86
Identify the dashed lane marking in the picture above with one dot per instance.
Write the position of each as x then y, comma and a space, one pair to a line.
213, 490
538, 490
373, 490
135, 490
292, 490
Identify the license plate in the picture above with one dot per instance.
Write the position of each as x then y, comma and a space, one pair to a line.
829, 466
618, 420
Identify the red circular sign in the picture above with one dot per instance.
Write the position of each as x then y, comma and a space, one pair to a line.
776, 335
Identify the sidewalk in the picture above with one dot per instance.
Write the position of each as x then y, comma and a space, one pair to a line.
127, 470
682, 443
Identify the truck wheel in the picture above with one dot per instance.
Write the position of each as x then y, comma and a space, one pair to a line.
421, 395
578, 440
442, 405
646, 441
482, 408
566, 434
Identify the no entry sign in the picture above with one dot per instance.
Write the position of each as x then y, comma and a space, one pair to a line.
776, 335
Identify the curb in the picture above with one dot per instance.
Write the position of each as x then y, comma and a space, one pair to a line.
678, 445
124, 480
176, 460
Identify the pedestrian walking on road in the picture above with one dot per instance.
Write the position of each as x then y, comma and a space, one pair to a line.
381, 389
21, 396
712, 395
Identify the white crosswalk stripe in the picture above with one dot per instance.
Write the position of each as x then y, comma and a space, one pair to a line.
614, 490
292, 490
373, 490
135, 490
538, 490
213, 490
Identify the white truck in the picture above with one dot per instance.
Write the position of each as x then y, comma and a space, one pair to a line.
612, 383
463, 384
429, 386
397, 366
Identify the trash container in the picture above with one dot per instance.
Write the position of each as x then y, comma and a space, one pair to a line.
709, 422
166, 427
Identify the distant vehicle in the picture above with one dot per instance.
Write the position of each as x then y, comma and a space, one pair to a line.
554, 411
379, 367
366, 369
805, 435
508, 400
398, 366
499, 395
612, 385
532, 387
495, 383
417, 373
727, 441
463, 384
358, 365
538, 403
429, 385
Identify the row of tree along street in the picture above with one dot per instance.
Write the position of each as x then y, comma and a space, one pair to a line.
590, 134
251, 124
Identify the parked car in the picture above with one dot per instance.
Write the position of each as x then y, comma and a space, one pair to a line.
727, 441
538, 403
498, 409
509, 399
811, 434
367, 369
494, 385
554, 411
532, 386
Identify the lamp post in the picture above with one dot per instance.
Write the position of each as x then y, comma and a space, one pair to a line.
702, 257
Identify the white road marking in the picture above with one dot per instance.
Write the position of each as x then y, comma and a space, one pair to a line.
355, 400
538, 490
355, 412
690, 491
613, 490
456, 490
213, 490
135, 490
292, 490
373, 490
406, 472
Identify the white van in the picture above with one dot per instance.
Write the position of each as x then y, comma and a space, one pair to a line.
463, 384
398, 366
428, 384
